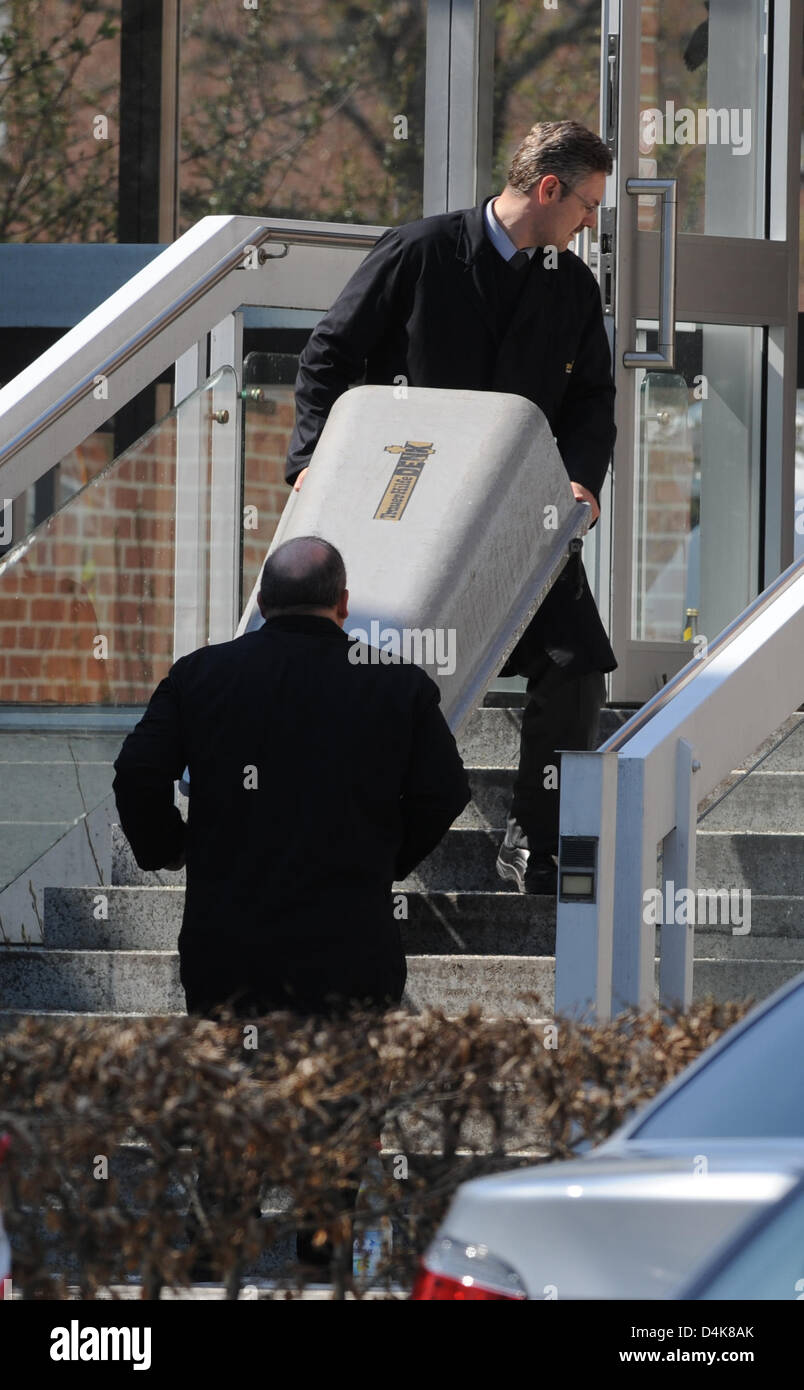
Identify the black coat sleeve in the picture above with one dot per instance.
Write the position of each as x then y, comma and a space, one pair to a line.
151, 759
335, 355
585, 428
435, 787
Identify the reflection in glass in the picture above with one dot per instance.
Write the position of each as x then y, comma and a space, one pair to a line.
696, 526
768, 1266
312, 110
87, 599
269, 413
89, 604
703, 97
744, 1091
546, 68
59, 120
666, 591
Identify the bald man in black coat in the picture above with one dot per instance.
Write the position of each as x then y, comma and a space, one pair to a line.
316, 780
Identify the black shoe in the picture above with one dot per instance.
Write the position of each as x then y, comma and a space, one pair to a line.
541, 875
512, 863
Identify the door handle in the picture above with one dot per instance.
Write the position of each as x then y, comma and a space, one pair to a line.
664, 360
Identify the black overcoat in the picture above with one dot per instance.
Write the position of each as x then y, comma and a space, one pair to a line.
423, 308
315, 782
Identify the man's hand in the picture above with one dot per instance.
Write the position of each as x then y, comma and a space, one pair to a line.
579, 492
300, 479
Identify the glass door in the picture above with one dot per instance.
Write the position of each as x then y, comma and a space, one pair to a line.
698, 270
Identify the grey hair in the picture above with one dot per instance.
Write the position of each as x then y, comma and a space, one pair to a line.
564, 148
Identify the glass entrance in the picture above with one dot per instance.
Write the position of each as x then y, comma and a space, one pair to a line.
697, 108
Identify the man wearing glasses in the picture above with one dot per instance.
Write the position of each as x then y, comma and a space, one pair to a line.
490, 299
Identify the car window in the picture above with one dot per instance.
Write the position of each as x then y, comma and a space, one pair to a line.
753, 1089
771, 1265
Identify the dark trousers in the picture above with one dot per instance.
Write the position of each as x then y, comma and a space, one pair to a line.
212, 980
245, 976
562, 711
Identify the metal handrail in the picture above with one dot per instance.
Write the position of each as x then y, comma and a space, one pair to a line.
277, 230
695, 666
643, 788
664, 359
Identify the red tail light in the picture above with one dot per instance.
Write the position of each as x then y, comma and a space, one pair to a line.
455, 1272
5, 1145
440, 1286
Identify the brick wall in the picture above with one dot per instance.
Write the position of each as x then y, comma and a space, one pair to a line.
269, 424
664, 512
104, 568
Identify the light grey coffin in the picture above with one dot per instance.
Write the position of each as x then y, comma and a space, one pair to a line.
454, 514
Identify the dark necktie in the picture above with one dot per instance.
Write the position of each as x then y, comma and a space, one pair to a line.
503, 284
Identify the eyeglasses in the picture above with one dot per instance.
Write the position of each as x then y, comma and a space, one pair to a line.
590, 207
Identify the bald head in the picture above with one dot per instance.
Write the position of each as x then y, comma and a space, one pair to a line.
304, 575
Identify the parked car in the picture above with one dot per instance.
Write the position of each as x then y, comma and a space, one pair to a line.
634, 1218
765, 1260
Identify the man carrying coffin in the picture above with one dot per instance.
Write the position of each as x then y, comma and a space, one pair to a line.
490, 299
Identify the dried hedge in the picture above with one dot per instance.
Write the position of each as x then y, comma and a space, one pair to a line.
284, 1113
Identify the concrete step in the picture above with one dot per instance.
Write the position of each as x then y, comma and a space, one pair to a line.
11, 1018
491, 798
741, 979
765, 801
783, 750
149, 918
126, 871
723, 945
499, 923
139, 918
33, 978
490, 737
765, 863
769, 801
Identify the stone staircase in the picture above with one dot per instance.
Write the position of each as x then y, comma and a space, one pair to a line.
111, 949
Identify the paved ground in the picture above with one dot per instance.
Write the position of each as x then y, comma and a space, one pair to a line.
260, 1291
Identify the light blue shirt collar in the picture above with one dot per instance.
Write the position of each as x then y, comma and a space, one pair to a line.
500, 238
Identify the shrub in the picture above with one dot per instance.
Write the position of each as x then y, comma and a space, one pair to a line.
117, 1129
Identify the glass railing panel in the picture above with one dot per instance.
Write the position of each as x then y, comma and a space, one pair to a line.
750, 856
87, 619
697, 502
269, 413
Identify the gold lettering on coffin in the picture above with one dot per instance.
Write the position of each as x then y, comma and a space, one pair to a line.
413, 455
